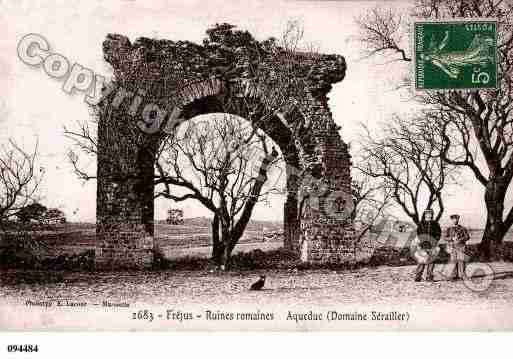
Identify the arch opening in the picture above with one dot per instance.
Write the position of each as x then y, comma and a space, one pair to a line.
275, 128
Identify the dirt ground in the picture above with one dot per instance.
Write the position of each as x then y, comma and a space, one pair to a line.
440, 305
379, 285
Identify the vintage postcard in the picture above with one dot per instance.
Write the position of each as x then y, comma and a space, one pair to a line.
261, 166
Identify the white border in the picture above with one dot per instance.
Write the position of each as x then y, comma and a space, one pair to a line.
258, 346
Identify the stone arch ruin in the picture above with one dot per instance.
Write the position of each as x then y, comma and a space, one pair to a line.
160, 83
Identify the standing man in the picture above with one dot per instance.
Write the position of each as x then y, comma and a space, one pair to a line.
425, 245
457, 236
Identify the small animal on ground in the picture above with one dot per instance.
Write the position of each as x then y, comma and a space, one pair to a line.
259, 284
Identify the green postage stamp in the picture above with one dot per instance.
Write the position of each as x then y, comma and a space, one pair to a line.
455, 54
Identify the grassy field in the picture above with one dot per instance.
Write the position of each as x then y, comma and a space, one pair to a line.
194, 239
178, 235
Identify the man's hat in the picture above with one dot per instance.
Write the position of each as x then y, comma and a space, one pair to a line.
456, 216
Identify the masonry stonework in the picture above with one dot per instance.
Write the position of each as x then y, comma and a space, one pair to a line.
182, 80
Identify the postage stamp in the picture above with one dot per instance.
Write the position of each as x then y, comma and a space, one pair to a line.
455, 54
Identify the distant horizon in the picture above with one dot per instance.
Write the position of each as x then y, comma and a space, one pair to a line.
281, 222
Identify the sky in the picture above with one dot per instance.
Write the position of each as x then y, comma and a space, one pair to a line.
33, 106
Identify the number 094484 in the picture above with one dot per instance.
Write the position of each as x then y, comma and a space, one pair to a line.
22, 348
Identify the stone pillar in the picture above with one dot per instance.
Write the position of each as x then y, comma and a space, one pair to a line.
327, 234
124, 211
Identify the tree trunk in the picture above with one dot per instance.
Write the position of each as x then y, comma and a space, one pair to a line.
291, 224
217, 243
291, 216
224, 247
227, 244
225, 257
494, 233
495, 228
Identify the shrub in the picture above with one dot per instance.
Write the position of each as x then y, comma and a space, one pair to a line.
25, 251
20, 250
83, 261
187, 263
258, 259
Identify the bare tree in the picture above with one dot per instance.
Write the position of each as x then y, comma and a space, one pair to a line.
475, 127
371, 201
486, 148
218, 162
381, 32
19, 179
411, 168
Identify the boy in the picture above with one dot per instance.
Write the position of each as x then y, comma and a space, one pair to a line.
457, 236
